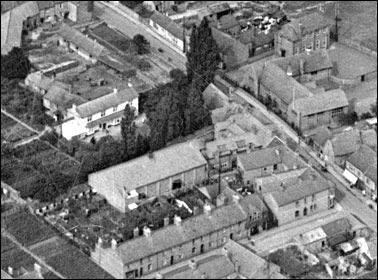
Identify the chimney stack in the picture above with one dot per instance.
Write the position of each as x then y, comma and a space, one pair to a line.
196, 210
225, 252
166, 221
301, 66
114, 244
100, 242
136, 232
115, 90
235, 198
177, 220
74, 107
193, 264
289, 70
147, 231
207, 208
300, 27
308, 51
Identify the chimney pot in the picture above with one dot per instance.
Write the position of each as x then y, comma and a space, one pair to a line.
147, 231
114, 244
207, 208
100, 242
115, 90
177, 220
166, 221
193, 264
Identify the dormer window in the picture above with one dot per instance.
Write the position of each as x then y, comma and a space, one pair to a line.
102, 113
89, 118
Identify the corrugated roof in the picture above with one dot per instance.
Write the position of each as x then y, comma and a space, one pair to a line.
281, 85
105, 102
144, 170
168, 24
72, 35
172, 235
321, 102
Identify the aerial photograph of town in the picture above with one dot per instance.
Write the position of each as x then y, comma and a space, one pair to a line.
188, 139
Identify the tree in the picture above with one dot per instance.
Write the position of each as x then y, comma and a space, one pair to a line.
143, 46
196, 115
15, 65
203, 56
128, 132
348, 118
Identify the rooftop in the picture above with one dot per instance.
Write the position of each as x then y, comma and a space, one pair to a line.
321, 102
315, 61
369, 137
173, 235
144, 170
299, 190
283, 86
313, 236
336, 227
62, 98
309, 24
168, 24
320, 135
214, 97
364, 159
72, 35
105, 102
261, 158
228, 21
345, 142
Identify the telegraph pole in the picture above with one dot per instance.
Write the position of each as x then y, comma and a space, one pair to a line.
337, 19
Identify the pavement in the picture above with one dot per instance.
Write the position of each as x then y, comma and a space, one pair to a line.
130, 27
349, 199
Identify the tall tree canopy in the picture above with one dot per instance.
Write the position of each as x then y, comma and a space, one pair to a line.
15, 65
203, 56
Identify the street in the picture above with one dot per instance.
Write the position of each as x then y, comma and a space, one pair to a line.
348, 200
116, 19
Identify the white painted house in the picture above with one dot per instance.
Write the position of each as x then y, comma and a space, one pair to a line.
99, 114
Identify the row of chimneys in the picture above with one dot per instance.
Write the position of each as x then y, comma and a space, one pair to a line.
207, 208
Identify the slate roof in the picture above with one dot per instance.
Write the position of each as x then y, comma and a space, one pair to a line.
351, 63
310, 23
172, 235
168, 24
79, 39
322, 134
369, 137
12, 24
281, 85
105, 102
315, 61
364, 159
62, 98
261, 158
300, 190
346, 142
321, 102
143, 170
228, 21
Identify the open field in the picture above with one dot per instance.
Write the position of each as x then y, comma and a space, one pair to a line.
69, 261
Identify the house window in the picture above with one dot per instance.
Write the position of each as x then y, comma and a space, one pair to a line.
317, 32
296, 214
149, 267
248, 182
275, 167
61, 6
89, 119
102, 113
337, 112
317, 44
303, 48
193, 250
115, 108
313, 73
324, 42
265, 168
325, 30
297, 204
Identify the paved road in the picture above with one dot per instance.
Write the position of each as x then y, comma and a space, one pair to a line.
129, 27
26, 250
348, 200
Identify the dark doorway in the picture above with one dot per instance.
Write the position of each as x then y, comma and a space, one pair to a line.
202, 248
172, 259
66, 15
283, 53
176, 184
363, 78
305, 211
231, 236
104, 126
141, 271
